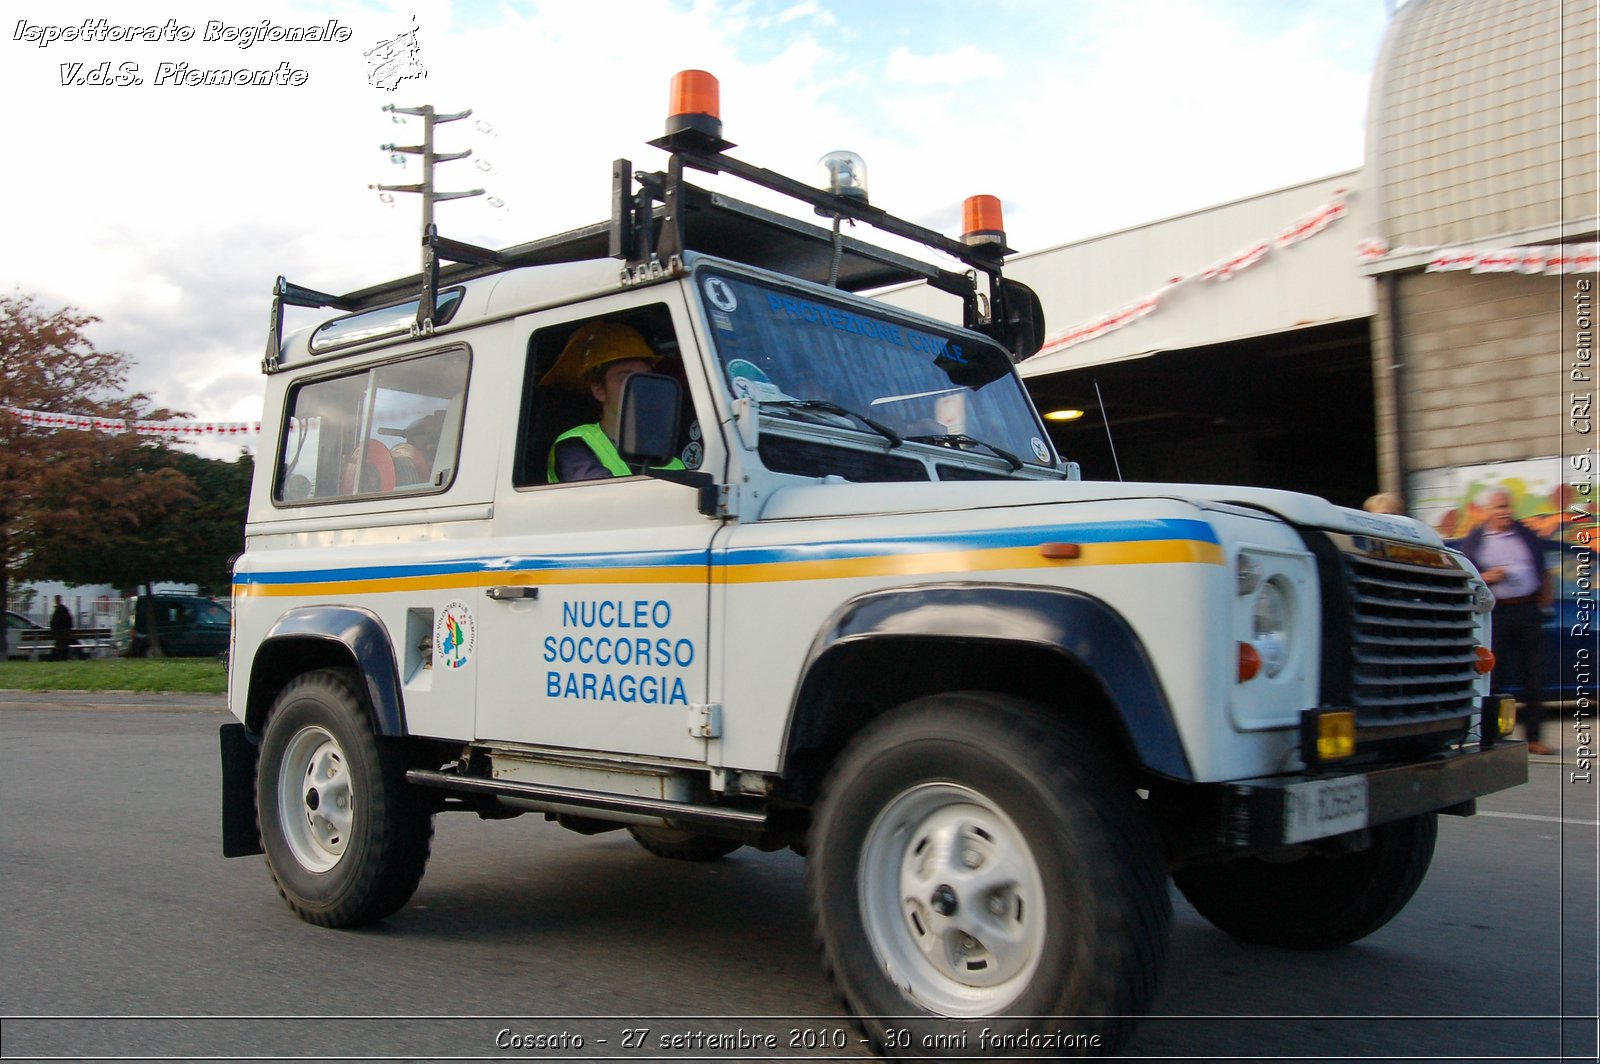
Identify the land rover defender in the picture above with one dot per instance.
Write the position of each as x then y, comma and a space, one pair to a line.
845, 599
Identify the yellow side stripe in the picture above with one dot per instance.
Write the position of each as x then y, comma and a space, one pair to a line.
1144, 552
1148, 552
674, 574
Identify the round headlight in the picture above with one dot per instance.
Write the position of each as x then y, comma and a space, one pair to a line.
1270, 632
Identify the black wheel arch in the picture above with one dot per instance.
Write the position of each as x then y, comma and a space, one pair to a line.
317, 637
1048, 645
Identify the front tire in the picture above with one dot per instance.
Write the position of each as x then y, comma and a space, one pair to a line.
1315, 900
346, 838
973, 858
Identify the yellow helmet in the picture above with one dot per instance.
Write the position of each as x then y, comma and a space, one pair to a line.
596, 344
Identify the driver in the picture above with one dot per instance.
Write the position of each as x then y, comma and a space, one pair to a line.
598, 359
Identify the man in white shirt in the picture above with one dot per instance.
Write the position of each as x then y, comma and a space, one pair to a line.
1512, 560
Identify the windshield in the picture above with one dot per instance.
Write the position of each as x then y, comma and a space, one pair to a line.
802, 357
213, 613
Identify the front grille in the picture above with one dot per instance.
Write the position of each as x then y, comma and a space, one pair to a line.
1409, 632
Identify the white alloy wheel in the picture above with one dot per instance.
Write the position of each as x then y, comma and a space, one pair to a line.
977, 855
346, 838
316, 801
952, 900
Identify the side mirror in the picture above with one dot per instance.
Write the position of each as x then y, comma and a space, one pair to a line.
1019, 320
651, 406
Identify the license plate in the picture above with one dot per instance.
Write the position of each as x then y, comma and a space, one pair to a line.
1320, 808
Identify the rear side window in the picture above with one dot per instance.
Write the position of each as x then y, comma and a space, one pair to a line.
393, 429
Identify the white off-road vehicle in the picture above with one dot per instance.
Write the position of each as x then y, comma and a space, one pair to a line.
868, 613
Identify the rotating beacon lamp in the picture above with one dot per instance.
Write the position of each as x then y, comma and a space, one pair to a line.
982, 221
694, 118
844, 173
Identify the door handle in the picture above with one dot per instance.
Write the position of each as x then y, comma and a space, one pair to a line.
508, 592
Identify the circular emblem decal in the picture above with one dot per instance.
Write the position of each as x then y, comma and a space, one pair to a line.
1040, 451
721, 295
454, 636
750, 381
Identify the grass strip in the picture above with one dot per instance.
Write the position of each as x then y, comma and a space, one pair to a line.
201, 676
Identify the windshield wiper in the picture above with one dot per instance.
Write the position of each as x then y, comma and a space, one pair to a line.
829, 407
956, 439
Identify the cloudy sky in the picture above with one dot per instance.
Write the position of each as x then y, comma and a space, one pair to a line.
167, 209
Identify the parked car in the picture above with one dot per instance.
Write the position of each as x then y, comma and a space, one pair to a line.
1564, 665
25, 639
190, 626
16, 624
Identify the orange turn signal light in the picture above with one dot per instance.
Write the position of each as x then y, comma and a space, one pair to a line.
1485, 660
982, 221
1061, 552
1249, 662
1506, 716
1336, 735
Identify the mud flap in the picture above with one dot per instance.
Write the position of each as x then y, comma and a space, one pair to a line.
240, 837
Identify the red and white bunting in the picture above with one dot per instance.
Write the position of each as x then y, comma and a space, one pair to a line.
1547, 258
1090, 330
172, 430
1315, 222
1371, 249
1302, 229
1221, 271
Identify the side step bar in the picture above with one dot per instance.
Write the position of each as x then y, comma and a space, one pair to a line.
681, 812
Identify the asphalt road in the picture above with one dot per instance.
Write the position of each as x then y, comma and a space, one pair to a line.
125, 934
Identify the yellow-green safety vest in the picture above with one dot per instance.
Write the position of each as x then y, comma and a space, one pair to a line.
603, 449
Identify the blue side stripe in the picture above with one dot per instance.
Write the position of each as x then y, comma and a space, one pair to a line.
1099, 532
481, 565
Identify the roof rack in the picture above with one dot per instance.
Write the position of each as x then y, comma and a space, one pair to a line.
656, 216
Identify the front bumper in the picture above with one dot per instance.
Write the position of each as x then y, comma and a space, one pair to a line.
1284, 810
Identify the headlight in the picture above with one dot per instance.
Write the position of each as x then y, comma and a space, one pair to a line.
1270, 630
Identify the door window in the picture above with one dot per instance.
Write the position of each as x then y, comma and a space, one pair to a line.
392, 429
566, 381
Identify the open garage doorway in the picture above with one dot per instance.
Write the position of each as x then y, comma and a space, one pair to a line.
1290, 410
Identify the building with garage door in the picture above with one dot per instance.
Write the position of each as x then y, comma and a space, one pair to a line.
1409, 326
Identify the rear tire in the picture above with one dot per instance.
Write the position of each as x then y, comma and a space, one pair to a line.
1315, 900
677, 844
346, 838
974, 858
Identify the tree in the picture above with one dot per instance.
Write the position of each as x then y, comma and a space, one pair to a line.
136, 513
109, 514
213, 525
132, 513
91, 507
97, 507
47, 363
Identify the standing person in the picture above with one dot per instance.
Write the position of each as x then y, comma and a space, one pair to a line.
1512, 560
61, 630
1385, 502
